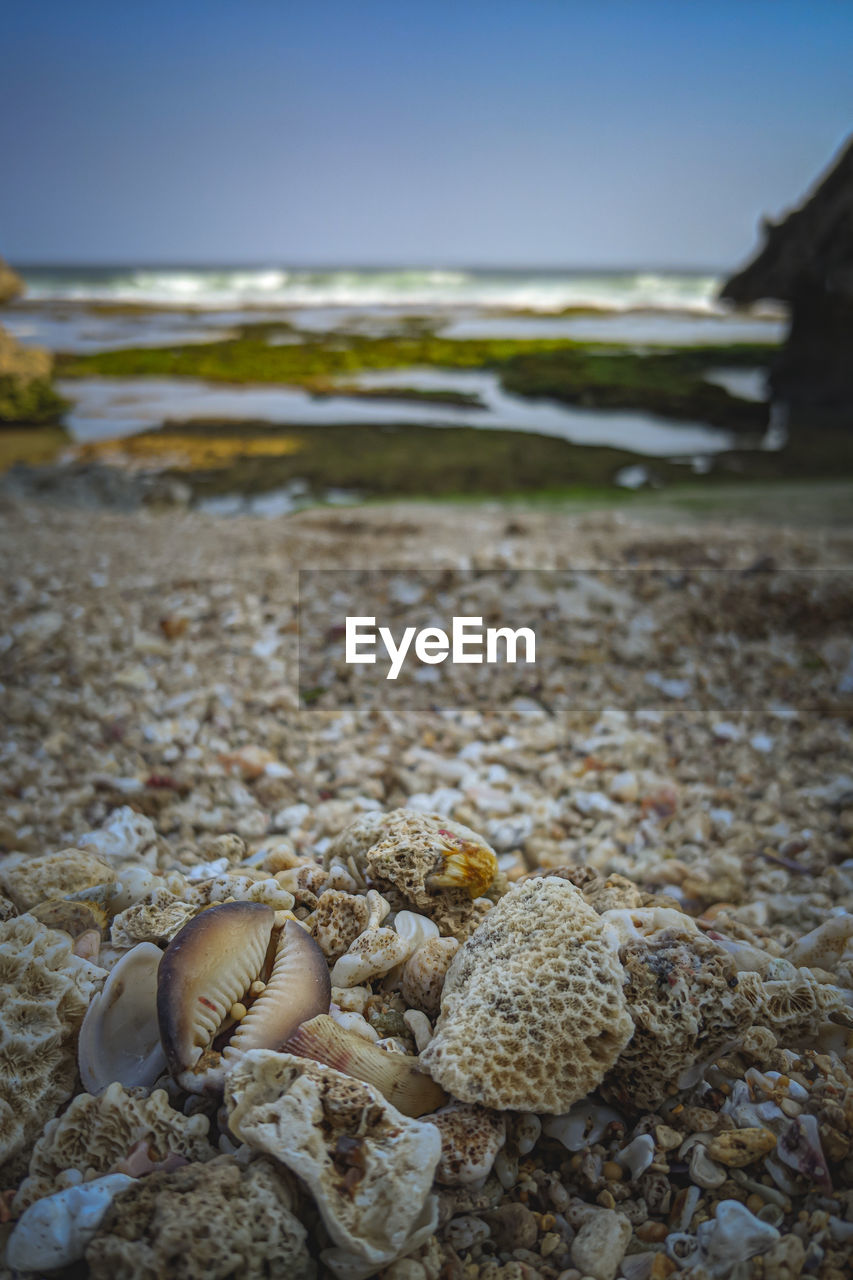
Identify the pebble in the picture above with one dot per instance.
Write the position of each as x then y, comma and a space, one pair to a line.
600, 1244
740, 1147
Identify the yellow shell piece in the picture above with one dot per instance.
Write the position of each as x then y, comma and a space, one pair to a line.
466, 865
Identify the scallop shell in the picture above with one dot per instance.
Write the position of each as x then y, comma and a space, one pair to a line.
397, 1077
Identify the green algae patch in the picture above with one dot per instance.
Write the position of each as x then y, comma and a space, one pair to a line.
29, 401
369, 460
669, 382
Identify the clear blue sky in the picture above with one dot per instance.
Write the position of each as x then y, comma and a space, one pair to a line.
614, 132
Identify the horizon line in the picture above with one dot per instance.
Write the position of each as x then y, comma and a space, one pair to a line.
178, 264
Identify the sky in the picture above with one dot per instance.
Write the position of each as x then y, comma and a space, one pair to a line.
414, 132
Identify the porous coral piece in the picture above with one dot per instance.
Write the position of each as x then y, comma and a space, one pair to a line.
96, 1132
471, 1138
156, 920
795, 1008
532, 1014
203, 1222
350, 847
368, 1167
604, 893
423, 862
8, 910
687, 1001
29, 879
44, 992
229, 887
338, 921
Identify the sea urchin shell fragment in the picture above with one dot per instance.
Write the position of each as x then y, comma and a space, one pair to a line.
213, 968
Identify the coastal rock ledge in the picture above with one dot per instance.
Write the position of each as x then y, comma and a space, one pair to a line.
26, 392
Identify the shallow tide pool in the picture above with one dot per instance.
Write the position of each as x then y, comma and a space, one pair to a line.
106, 408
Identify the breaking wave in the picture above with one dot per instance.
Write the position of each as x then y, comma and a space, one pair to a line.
542, 292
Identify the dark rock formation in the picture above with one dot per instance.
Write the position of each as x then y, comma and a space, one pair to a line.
807, 262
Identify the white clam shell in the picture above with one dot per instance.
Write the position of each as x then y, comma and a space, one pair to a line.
415, 929
120, 1038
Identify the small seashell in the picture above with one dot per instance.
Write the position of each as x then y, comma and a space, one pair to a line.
738, 1147
415, 929
704, 1171
583, 1125
120, 1038
824, 947
471, 1137
397, 1077
422, 979
212, 964
420, 1027
506, 1169
528, 1127
379, 908
356, 1023
88, 945
780, 1175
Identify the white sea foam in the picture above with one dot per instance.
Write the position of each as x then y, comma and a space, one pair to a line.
538, 291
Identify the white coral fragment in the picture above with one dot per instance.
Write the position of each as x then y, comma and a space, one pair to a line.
372, 954
369, 1168
96, 1133
825, 946
127, 836
29, 880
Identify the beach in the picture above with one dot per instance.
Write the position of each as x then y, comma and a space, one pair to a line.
680, 750
651, 810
